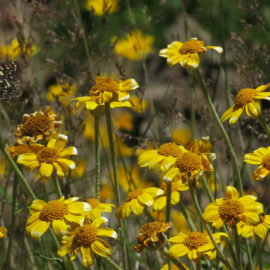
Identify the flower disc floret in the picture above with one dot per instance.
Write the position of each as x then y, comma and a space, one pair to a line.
266, 162
47, 155
193, 46
195, 240
85, 236
244, 96
169, 149
188, 162
53, 210
134, 194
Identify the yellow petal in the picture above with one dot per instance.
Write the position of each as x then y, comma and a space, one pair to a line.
91, 105
59, 227
59, 169
69, 151
153, 191
79, 219
235, 116
78, 207
146, 199
88, 258
38, 228
136, 207
107, 232
231, 193
46, 170
216, 48
129, 84
101, 248
67, 162
61, 142
262, 87
99, 221
227, 114
178, 250
160, 203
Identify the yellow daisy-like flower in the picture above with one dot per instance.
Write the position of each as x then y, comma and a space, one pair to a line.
152, 236
54, 155
195, 245
3, 232
108, 90
37, 126
59, 214
136, 201
97, 208
15, 50
189, 167
187, 53
249, 229
247, 99
102, 7
163, 157
87, 240
177, 187
260, 157
135, 46
233, 209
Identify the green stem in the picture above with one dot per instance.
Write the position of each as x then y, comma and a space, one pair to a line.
187, 217
249, 254
174, 260
97, 154
57, 185
116, 183
17, 170
208, 190
259, 252
264, 125
198, 209
238, 247
112, 263
168, 201
198, 265
222, 129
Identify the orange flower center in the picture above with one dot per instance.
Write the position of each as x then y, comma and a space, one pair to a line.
86, 235
53, 210
266, 162
134, 194
195, 240
192, 46
230, 210
153, 228
47, 155
36, 125
188, 162
105, 85
93, 202
169, 149
245, 96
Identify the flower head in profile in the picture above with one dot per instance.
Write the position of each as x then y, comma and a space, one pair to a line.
260, 228
187, 54
135, 46
59, 214
247, 99
61, 92
136, 200
37, 126
232, 209
50, 157
87, 239
152, 236
259, 157
97, 208
108, 90
3, 232
102, 7
163, 157
195, 245
177, 187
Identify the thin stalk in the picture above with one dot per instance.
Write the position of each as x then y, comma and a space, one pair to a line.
208, 190
97, 154
187, 217
174, 260
198, 209
17, 170
264, 125
116, 183
131, 15
250, 260
168, 201
222, 129
13, 218
57, 185
238, 247
198, 266
112, 263
259, 252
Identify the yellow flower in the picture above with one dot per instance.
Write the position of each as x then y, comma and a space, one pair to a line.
135, 46
54, 155
232, 209
37, 126
195, 245
247, 99
152, 236
187, 53
174, 267
260, 157
87, 240
61, 92
15, 50
189, 167
164, 157
260, 228
160, 201
108, 90
59, 214
136, 200
3, 232
97, 208
102, 7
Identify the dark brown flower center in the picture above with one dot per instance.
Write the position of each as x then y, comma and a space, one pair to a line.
195, 240
244, 96
192, 46
169, 149
53, 210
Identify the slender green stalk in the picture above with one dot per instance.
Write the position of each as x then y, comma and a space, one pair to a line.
57, 185
198, 266
187, 217
97, 154
174, 260
208, 190
259, 252
168, 201
198, 209
238, 247
17, 170
116, 183
264, 125
112, 263
222, 129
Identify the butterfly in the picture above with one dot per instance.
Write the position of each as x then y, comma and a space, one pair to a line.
10, 73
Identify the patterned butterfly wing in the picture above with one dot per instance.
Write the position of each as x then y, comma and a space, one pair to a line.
9, 75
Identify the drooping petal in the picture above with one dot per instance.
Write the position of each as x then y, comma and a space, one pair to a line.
59, 227
46, 170
59, 169
38, 228
235, 115
88, 258
101, 248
